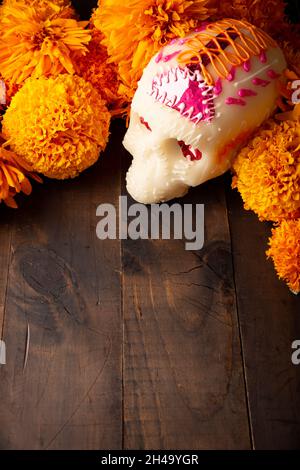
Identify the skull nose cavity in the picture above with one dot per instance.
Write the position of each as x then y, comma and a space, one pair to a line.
189, 152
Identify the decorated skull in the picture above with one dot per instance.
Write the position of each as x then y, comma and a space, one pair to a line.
198, 100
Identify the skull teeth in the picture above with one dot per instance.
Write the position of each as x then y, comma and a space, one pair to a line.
177, 73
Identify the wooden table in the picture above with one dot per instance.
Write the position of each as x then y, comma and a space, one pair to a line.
142, 344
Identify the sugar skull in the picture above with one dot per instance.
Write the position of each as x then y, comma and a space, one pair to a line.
198, 100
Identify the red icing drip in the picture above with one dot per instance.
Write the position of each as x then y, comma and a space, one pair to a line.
247, 66
243, 92
272, 74
169, 57
260, 82
145, 123
231, 76
218, 87
237, 101
189, 152
263, 57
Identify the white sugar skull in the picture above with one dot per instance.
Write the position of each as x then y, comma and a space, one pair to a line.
198, 100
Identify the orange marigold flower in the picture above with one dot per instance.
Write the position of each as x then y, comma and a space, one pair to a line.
94, 68
58, 125
135, 31
292, 55
285, 100
285, 252
46, 6
267, 171
14, 176
288, 38
7, 90
39, 42
268, 15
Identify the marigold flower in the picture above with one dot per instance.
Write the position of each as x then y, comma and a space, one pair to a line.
58, 125
7, 90
94, 68
267, 171
46, 6
135, 31
292, 55
39, 42
285, 100
14, 176
268, 15
285, 252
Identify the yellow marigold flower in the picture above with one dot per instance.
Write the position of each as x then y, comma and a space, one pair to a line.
58, 125
267, 171
94, 68
268, 15
135, 31
14, 174
285, 252
37, 42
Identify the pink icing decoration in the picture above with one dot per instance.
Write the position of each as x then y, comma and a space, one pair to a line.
159, 57
244, 92
218, 87
272, 74
182, 41
169, 57
237, 101
263, 57
184, 90
173, 42
193, 99
260, 82
247, 66
231, 76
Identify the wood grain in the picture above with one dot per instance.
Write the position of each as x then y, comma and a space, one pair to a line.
6, 223
151, 358
270, 322
64, 285
183, 375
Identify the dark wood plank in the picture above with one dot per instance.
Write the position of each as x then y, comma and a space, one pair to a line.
183, 374
64, 285
6, 222
270, 322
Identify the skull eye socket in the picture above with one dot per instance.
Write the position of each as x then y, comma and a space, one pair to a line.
189, 152
145, 123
